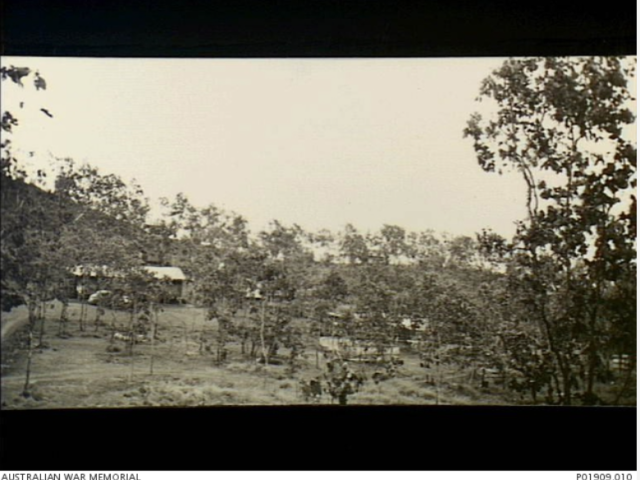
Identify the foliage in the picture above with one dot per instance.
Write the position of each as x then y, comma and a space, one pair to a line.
9, 165
560, 124
341, 381
30, 220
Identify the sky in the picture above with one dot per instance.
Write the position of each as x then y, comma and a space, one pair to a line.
317, 142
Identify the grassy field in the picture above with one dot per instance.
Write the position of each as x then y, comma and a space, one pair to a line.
80, 371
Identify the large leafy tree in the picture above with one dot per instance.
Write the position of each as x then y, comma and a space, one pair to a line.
25, 222
391, 243
31, 223
212, 246
354, 246
562, 124
281, 277
108, 231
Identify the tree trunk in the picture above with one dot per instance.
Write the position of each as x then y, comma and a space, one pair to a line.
265, 353
154, 329
437, 364
132, 338
43, 318
63, 318
155, 324
25, 390
32, 320
565, 369
131, 370
273, 349
593, 346
627, 383
591, 373
566, 385
565, 376
153, 349
99, 314
534, 396
113, 327
82, 314
558, 389
131, 332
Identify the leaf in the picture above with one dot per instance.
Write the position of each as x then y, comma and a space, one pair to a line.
39, 82
16, 74
8, 121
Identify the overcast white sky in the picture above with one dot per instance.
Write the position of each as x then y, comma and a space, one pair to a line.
320, 142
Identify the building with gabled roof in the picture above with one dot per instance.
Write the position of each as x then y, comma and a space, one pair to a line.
91, 278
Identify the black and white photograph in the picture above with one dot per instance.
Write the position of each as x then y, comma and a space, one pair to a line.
202, 232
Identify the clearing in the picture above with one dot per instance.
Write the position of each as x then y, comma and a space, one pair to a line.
81, 370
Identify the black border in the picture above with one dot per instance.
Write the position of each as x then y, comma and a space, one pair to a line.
319, 438
317, 28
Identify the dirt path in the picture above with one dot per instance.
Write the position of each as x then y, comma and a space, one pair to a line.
96, 373
82, 371
11, 325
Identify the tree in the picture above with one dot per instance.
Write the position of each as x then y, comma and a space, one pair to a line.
107, 233
324, 245
392, 243
10, 167
121, 208
341, 381
215, 250
461, 250
333, 288
280, 277
232, 274
30, 226
353, 246
427, 249
560, 123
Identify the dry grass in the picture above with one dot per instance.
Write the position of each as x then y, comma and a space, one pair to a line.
79, 372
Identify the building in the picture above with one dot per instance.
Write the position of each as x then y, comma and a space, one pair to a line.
89, 279
357, 350
174, 279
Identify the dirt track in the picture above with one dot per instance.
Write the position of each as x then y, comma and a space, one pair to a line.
11, 325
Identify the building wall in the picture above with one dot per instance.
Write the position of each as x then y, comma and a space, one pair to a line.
175, 289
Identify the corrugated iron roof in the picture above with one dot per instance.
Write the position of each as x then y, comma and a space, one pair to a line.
172, 273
